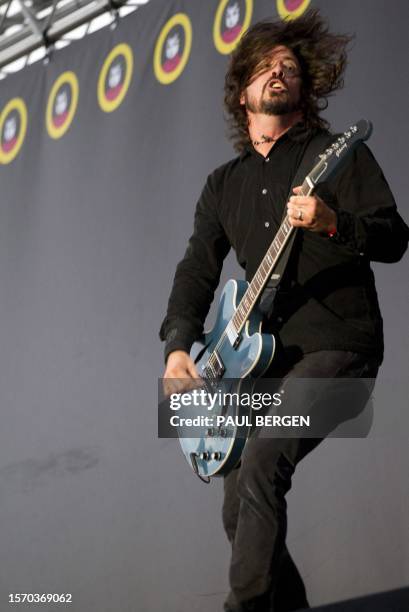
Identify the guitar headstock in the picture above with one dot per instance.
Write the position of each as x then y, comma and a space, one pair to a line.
329, 159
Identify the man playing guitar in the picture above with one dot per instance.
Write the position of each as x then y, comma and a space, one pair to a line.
326, 312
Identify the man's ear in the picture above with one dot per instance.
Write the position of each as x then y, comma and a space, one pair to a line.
242, 100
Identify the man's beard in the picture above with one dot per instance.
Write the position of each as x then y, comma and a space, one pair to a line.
278, 104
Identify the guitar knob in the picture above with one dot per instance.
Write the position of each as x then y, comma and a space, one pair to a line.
216, 456
205, 456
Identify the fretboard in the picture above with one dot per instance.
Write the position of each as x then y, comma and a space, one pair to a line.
264, 270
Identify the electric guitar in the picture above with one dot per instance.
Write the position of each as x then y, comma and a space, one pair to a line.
236, 349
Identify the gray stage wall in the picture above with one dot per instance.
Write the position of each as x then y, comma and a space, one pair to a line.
91, 227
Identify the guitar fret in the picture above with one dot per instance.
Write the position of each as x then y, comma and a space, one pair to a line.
305, 188
262, 273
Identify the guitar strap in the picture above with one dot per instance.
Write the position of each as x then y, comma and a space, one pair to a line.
317, 144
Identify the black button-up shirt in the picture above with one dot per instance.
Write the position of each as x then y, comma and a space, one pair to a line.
327, 298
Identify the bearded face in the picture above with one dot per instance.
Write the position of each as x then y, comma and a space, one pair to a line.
276, 85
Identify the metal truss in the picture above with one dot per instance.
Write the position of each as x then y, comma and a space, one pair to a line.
30, 25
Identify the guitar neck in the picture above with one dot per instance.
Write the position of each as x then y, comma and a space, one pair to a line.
329, 160
265, 268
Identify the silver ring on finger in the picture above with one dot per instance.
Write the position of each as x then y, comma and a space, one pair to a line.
300, 216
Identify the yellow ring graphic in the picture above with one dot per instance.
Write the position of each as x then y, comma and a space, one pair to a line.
286, 14
168, 77
19, 105
110, 105
58, 131
219, 43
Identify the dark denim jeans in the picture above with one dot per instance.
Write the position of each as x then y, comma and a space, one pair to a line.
263, 576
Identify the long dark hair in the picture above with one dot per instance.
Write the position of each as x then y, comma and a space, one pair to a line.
322, 57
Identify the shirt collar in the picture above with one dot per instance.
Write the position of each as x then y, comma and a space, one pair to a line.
298, 132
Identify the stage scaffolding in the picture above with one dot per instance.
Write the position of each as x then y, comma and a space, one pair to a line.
31, 29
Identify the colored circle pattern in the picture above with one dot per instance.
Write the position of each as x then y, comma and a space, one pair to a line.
291, 9
231, 20
171, 54
62, 104
115, 77
172, 49
13, 127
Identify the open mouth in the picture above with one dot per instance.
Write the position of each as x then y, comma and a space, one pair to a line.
276, 86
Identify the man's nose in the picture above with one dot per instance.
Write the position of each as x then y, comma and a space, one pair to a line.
278, 71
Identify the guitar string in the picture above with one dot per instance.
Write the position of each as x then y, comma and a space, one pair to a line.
212, 359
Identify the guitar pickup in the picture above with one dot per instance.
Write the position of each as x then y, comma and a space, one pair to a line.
218, 365
233, 336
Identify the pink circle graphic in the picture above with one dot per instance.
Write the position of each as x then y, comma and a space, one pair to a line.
292, 5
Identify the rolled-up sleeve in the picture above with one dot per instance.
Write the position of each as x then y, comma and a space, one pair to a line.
197, 275
368, 222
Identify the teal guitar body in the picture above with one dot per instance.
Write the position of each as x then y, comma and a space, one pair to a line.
236, 363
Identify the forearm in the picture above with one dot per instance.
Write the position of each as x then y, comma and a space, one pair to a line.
368, 222
382, 236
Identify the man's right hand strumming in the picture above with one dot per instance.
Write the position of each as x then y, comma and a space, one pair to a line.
180, 373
